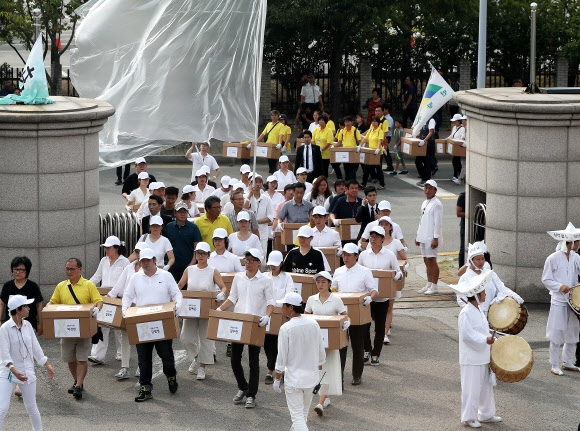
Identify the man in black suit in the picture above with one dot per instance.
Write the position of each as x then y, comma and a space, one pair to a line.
368, 211
309, 157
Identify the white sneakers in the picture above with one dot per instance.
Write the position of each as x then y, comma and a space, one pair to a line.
432, 290
386, 340
457, 181
556, 371
493, 419
424, 289
326, 402
472, 424
201, 373
319, 409
192, 367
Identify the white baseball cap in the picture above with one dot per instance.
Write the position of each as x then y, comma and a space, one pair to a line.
141, 245
152, 186
243, 215
306, 232
146, 253
456, 117
324, 274
300, 171
205, 168
220, 232
244, 169
432, 183
275, 258
319, 210
143, 176
18, 300
225, 181
111, 241
206, 143
350, 248
255, 253
283, 159
180, 206
378, 230
464, 117
387, 219
271, 178
232, 182
156, 220
140, 160
200, 172
255, 175
291, 298
188, 189
384, 205
203, 246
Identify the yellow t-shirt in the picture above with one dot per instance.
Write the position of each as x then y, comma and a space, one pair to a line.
323, 137
274, 132
385, 124
288, 132
374, 135
349, 138
85, 291
206, 227
331, 125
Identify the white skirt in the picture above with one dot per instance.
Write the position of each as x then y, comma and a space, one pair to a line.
332, 381
563, 325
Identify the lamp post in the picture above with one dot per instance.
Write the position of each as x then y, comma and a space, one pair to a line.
482, 44
532, 86
36, 17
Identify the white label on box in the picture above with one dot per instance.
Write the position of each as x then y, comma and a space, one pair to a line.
191, 307
376, 280
232, 152
341, 157
406, 148
150, 331
107, 313
294, 235
298, 288
230, 329
147, 310
362, 157
261, 151
449, 148
69, 307
67, 328
440, 148
408, 135
354, 230
324, 332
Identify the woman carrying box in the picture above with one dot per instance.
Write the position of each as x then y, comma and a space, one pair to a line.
375, 138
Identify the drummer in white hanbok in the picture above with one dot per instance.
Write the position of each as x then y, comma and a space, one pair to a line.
561, 272
477, 400
495, 291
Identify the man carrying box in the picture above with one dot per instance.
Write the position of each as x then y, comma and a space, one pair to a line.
149, 286
75, 351
353, 277
251, 293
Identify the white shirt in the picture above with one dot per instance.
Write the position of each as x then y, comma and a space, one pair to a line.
307, 154
22, 357
219, 192
395, 246
263, 207
308, 187
193, 210
159, 247
397, 231
355, 279
202, 195
300, 352
239, 247
391, 124
431, 224
318, 201
457, 133
313, 126
311, 93
123, 281
226, 262
327, 237
331, 307
384, 259
108, 274
473, 333
160, 288
252, 295
282, 284
199, 161
559, 270
283, 180
276, 198
136, 197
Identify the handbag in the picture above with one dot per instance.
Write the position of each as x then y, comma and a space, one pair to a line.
99, 334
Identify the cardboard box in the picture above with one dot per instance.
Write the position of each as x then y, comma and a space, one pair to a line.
104, 290
408, 133
368, 157
265, 150
441, 146
228, 278
277, 319
290, 232
358, 313
304, 284
235, 328
454, 147
277, 243
385, 283
236, 150
344, 155
200, 207
111, 313
331, 257
331, 327
348, 229
400, 284
153, 322
411, 146
196, 304
68, 321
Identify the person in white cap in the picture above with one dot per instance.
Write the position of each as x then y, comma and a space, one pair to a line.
221, 259
200, 158
154, 206
325, 303
205, 278
227, 201
376, 256
188, 198
352, 277
457, 132
19, 348
75, 351
261, 204
284, 175
242, 240
202, 189
322, 235
132, 181
561, 271
245, 175
158, 243
155, 189
305, 259
152, 285
108, 272
277, 199
236, 205
117, 292
429, 235
224, 189
495, 291
212, 219
300, 357
251, 293
384, 211
301, 177
282, 284
274, 134
140, 194
477, 400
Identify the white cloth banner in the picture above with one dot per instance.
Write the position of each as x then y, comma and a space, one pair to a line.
175, 70
436, 95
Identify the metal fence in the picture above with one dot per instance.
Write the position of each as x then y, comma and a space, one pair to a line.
478, 227
14, 74
123, 225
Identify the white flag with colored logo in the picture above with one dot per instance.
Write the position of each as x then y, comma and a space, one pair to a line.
437, 94
33, 84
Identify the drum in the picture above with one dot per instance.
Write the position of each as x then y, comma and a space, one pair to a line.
511, 358
575, 300
508, 316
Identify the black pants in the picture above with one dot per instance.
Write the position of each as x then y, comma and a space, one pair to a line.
325, 165
379, 315
254, 362
350, 171
456, 162
120, 172
271, 350
145, 359
337, 171
356, 334
387, 157
374, 171
424, 164
311, 176
272, 166
409, 113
